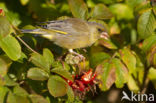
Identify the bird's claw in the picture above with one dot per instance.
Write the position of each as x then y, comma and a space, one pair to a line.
81, 57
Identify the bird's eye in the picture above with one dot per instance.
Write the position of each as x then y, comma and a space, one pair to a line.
99, 30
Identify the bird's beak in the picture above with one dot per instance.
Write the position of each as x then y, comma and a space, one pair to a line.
104, 35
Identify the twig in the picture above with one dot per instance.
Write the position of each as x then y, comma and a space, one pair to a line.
145, 86
22, 40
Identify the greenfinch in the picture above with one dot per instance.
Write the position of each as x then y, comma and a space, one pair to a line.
71, 33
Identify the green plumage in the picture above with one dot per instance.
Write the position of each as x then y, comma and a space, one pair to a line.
70, 33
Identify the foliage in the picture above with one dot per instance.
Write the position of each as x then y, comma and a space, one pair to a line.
127, 58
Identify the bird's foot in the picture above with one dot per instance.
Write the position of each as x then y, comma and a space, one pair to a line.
74, 58
77, 55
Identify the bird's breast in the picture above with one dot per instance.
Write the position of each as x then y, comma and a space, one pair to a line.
73, 42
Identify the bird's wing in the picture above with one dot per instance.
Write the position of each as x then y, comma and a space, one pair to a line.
68, 26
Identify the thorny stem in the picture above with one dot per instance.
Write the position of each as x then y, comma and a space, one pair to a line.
22, 40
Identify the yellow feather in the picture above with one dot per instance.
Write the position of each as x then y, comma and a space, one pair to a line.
62, 32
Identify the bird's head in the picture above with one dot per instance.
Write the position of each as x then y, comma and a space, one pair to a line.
100, 30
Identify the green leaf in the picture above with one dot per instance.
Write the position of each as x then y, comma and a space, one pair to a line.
152, 74
121, 73
151, 57
122, 11
132, 85
78, 8
20, 91
13, 17
70, 94
107, 43
154, 60
134, 3
40, 61
13, 98
37, 99
97, 58
37, 74
3, 94
48, 56
100, 11
5, 28
146, 24
63, 72
107, 76
109, 1
11, 47
3, 68
148, 43
24, 2
9, 82
143, 7
154, 9
129, 59
57, 86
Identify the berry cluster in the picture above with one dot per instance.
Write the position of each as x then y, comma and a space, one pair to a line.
83, 82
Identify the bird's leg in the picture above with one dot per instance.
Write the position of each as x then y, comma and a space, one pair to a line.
77, 54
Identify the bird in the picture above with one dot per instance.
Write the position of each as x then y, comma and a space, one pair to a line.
71, 33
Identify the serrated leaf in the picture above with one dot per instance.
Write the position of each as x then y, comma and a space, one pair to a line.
122, 11
3, 94
148, 43
78, 8
107, 76
40, 61
37, 74
37, 99
5, 27
129, 59
121, 73
97, 58
57, 86
100, 11
146, 24
63, 72
11, 47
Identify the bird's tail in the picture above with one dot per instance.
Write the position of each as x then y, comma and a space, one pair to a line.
42, 32
33, 31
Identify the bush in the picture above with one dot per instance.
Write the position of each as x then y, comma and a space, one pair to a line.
34, 70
